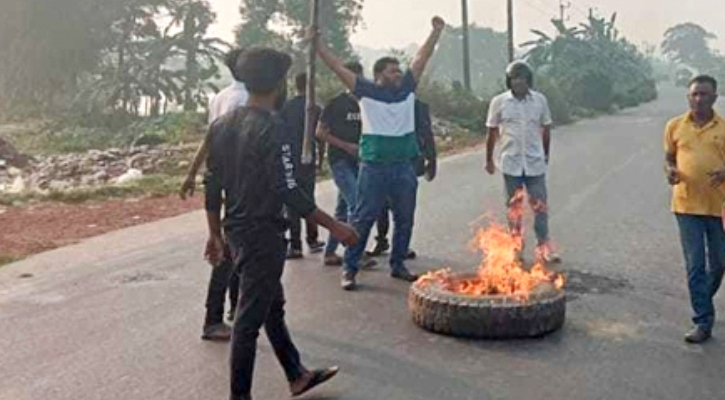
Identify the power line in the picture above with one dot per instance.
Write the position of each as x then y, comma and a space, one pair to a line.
538, 9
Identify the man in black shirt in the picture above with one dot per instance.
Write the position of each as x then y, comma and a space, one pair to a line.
251, 170
425, 165
293, 115
340, 127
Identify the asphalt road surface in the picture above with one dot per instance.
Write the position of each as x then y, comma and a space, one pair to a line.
118, 317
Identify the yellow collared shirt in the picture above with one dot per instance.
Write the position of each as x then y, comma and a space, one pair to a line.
698, 151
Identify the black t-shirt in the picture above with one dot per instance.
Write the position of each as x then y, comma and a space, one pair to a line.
250, 170
342, 116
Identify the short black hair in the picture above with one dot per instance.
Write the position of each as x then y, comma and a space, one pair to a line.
383, 63
230, 60
301, 82
355, 67
704, 79
262, 69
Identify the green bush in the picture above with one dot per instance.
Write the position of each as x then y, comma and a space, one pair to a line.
593, 90
170, 128
69, 136
455, 105
558, 102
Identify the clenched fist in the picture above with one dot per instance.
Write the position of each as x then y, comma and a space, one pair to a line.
438, 23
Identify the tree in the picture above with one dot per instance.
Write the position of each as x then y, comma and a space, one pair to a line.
489, 58
292, 17
46, 46
688, 44
200, 53
158, 51
592, 64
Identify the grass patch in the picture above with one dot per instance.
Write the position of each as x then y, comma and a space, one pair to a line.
169, 182
6, 259
68, 136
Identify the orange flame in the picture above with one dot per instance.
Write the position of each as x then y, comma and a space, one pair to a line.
501, 272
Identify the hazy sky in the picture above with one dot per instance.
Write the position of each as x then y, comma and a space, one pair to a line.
397, 23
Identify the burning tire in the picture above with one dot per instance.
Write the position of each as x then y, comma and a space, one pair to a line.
490, 316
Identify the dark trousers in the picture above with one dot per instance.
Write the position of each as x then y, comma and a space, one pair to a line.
383, 224
703, 245
307, 185
223, 278
262, 301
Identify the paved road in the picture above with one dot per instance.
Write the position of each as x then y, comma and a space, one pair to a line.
118, 317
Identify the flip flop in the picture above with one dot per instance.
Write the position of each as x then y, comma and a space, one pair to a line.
319, 376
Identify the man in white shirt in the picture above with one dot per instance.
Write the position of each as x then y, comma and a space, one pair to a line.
228, 99
223, 278
520, 120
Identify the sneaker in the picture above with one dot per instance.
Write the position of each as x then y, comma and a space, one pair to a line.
381, 247
316, 246
697, 335
332, 260
367, 262
348, 280
403, 274
412, 255
217, 333
546, 254
294, 254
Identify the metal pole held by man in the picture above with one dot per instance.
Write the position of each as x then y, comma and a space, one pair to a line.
310, 117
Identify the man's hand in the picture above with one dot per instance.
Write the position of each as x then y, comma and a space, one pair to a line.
673, 175
214, 252
717, 177
431, 169
311, 35
490, 167
344, 233
438, 23
188, 187
352, 149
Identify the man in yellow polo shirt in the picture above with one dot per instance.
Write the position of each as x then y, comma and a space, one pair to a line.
695, 167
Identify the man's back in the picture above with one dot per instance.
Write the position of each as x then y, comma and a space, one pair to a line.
293, 114
246, 153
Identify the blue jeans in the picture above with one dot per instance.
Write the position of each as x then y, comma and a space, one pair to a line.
378, 183
536, 189
703, 243
344, 174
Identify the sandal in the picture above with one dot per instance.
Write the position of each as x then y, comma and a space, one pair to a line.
319, 376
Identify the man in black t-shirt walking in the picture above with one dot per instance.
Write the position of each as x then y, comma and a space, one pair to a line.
340, 127
251, 174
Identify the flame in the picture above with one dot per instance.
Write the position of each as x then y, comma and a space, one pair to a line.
501, 271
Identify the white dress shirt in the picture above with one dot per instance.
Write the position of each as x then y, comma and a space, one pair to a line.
520, 122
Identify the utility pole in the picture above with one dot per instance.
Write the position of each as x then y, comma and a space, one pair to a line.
563, 6
510, 7
310, 105
466, 47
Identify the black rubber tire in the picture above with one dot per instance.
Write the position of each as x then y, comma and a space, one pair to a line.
486, 317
